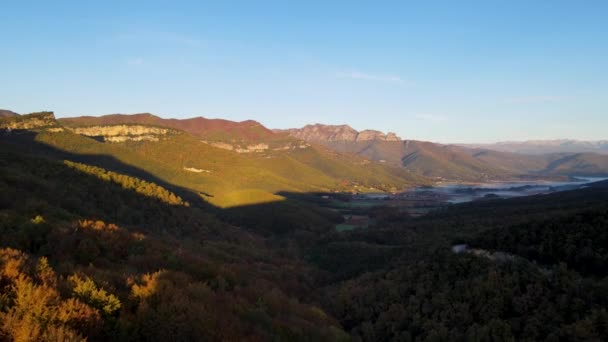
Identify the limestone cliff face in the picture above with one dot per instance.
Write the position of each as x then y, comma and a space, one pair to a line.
256, 148
28, 122
390, 136
122, 133
320, 132
328, 133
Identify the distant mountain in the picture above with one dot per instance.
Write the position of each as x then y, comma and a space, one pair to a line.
547, 146
450, 162
584, 164
453, 162
423, 158
338, 133
473, 164
7, 113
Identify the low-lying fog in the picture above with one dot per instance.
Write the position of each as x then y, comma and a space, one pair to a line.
459, 193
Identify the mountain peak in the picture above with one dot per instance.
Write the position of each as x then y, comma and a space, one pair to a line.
325, 133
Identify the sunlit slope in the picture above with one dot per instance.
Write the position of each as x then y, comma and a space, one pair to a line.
227, 178
389, 152
91, 254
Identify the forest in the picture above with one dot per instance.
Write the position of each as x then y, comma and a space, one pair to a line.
107, 252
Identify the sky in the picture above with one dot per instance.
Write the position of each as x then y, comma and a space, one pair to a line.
444, 71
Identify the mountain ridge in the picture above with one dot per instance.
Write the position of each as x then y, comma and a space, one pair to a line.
454, 162
423, 159
7, 113
325, 133
546, 146
218, 129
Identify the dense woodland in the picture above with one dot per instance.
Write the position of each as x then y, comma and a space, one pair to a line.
100, 253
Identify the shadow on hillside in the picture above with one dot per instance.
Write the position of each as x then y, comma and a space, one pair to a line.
300, 213
297, 213
25, 142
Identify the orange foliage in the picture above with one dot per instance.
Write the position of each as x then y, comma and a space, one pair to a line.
33, 308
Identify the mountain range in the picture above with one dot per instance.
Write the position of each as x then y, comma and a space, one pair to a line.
314, 157
546, 146
228, 163
453, 162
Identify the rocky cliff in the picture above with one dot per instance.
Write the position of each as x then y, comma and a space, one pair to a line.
28, 122
121, 133
328, 133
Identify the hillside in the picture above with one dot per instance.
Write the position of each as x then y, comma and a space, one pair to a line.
588, 164
92, 254
449, 162
455, 162
226, 174
6, 113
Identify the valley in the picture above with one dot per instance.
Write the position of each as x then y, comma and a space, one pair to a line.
303, 171
131, 222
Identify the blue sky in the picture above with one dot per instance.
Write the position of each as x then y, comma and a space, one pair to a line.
447, 71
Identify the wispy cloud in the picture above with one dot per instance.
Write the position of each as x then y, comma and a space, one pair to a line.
357, 75
535, 99
155, 37
435, 118
135, 61
179, 39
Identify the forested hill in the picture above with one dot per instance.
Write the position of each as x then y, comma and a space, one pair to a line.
534, 270
90, 253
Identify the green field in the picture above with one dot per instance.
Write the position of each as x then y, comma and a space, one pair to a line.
342, 227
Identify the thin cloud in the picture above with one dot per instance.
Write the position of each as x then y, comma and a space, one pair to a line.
435, 118
180, 39
159, 38
535, 99
357, 75
135, 61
